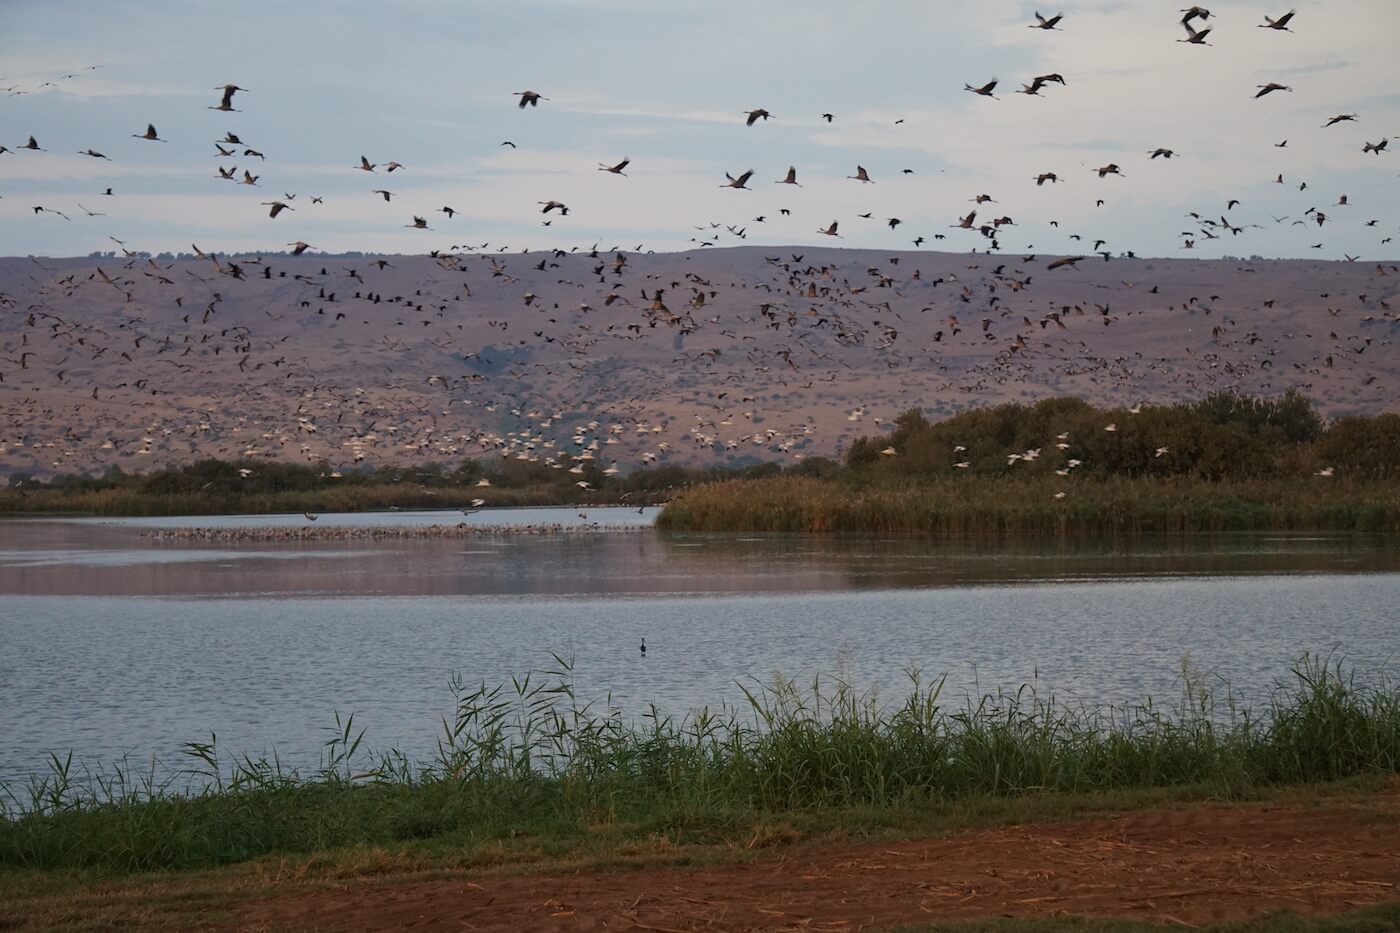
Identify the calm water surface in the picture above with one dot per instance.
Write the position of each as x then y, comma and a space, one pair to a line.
114, 643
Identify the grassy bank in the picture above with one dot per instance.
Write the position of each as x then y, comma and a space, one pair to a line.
219, 487
351, 498
527, 762
966, 504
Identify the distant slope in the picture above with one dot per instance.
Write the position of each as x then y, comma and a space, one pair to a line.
697, 356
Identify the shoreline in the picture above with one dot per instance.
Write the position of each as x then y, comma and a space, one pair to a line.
357, 532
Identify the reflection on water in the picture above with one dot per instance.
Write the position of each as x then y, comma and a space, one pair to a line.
395, 518
118, 558
116, 643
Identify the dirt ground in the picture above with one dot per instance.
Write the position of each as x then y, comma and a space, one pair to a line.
1191, 866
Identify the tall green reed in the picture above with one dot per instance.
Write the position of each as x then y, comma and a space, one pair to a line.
529, 756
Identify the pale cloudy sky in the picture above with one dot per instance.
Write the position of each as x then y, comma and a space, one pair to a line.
666, 83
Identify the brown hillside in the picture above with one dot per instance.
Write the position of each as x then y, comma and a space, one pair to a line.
744, 352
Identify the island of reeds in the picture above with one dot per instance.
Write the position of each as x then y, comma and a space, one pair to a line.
1223, 463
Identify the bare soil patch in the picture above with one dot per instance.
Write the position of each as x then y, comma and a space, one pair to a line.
1192, 865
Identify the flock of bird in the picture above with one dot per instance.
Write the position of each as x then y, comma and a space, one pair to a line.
552, 358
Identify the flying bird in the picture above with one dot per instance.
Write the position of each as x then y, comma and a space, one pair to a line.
1039, 81
614, 169
1280, 24
226, 104
753, 116
530, 98
1193, 36
790, 178
149, 134
985, 90
1043, 23
861, 175
277, 207
1270, 88
738, 182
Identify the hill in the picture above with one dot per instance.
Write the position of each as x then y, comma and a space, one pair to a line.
698, 357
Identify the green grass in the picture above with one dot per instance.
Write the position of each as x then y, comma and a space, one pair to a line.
526, 762
350, 498
969, 504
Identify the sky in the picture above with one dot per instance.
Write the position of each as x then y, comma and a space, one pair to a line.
431, 84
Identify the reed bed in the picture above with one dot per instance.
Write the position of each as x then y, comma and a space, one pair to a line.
982, 505
527, 759
122, 501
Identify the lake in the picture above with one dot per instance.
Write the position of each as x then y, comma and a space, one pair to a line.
118, 643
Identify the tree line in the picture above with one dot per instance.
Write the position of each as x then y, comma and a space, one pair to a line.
1225, 436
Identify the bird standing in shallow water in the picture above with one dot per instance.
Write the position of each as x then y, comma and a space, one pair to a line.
644, 647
